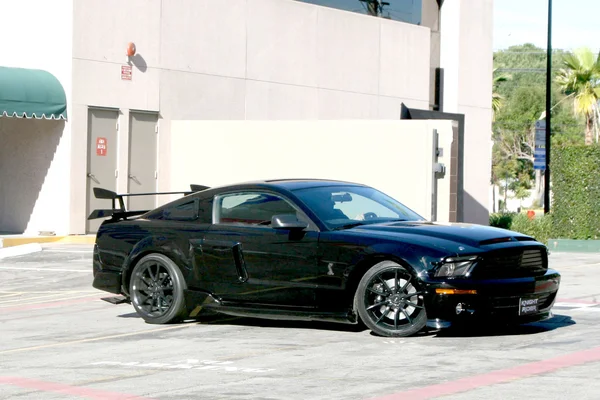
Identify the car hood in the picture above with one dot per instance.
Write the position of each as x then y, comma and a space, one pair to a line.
468, 234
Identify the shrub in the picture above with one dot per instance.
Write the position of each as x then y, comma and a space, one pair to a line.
502, 219
576, 192
541, 228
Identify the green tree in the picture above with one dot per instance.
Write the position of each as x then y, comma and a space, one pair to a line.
497, 98
580, 78
524, 96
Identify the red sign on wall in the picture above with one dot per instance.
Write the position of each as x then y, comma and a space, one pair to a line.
100, 146
126, 72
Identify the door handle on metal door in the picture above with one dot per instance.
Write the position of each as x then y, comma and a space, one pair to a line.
90, 175
133, 178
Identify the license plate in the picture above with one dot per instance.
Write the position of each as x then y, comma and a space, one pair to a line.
528, 306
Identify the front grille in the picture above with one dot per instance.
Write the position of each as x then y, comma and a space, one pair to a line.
512, 264
509, 306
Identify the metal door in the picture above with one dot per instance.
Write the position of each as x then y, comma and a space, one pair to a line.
102, 160
143, 128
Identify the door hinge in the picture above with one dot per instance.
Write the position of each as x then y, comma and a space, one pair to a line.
116, 173
156, 128
155, 174
117, 126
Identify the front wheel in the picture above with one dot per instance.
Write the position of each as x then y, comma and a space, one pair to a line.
390, 301
156, 289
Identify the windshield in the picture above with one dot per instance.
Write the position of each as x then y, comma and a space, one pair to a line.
346, 206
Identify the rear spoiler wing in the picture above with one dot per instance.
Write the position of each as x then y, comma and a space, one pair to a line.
121, 212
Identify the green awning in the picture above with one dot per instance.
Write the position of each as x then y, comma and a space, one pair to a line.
31, 93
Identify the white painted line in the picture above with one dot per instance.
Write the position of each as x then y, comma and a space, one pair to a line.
51, 250
586, 309
86, 271
14, 251
573, 305
28, 302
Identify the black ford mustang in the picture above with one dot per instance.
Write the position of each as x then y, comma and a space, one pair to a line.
316, 250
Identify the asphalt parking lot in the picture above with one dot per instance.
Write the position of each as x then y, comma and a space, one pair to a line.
60, 341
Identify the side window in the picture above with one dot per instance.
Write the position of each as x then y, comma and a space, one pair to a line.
354, 205
183, 212
251, 208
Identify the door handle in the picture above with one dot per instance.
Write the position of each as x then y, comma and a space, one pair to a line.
133, 178
92, 177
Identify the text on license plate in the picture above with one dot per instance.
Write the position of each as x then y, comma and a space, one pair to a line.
528, 306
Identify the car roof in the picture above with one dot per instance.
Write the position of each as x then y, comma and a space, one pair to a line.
296, 184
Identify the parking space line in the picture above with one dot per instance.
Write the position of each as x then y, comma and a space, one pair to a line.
28, 300
99, 338
499, 376
87, 271
49, 299
45, 386
50, 304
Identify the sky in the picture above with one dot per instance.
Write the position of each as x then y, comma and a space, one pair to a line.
574, 23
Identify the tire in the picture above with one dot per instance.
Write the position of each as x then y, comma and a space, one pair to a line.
156, 290
389, 301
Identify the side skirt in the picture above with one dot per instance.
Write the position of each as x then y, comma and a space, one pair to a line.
198, 301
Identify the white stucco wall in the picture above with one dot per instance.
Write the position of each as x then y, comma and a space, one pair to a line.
38, 34
261, 60
395, 157
466, 56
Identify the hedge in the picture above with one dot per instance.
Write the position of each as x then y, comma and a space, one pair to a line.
541, 228
576, 192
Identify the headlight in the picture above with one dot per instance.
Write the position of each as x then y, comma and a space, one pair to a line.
455, 266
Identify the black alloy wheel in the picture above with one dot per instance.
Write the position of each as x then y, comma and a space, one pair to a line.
389, 301
156, 289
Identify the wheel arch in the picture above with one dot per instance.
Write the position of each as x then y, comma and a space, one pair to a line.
151, 245
361, 268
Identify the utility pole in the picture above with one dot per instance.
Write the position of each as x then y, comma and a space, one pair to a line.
548, 111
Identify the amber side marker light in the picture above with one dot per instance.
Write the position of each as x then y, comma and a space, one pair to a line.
455, 291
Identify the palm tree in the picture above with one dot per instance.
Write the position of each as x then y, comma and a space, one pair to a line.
580, 78
497, 98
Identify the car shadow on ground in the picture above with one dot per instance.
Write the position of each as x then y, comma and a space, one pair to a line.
223, 319
556, 322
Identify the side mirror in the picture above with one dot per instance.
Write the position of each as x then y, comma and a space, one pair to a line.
287, 221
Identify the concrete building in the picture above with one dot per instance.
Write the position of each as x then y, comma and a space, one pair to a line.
238, 60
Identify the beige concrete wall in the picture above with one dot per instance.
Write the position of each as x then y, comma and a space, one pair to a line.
395, 157
34, 155
466, 56
261, 60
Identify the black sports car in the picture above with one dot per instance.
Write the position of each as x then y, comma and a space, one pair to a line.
316, 250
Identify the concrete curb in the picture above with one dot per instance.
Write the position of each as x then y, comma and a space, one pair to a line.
574, 246
23, 240
20, 250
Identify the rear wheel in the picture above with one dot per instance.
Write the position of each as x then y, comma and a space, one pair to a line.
390, 301
156, 290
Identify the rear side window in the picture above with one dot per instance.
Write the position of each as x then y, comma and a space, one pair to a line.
251, 208
183, 212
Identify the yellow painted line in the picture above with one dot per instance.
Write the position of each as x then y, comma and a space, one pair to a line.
96, 339
72, 239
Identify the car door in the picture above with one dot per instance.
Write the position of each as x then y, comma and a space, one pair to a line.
256, 263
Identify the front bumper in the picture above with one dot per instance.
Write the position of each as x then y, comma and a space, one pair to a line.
503, 301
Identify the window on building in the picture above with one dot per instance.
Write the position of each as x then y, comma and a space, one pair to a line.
398, 10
